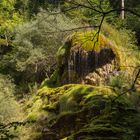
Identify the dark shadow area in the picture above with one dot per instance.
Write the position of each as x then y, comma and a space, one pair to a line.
5, 48
83, 62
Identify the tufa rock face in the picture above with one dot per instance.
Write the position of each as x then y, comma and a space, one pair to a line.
84, 60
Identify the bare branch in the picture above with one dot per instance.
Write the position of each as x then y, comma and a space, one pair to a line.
98, 32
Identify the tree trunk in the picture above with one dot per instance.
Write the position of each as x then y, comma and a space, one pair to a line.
122, 7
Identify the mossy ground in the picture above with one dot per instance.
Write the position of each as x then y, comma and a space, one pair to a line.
83, 112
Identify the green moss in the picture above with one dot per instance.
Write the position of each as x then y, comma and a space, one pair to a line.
63, 52
87, 40
55, 79
32, 117
90, 41
77, 111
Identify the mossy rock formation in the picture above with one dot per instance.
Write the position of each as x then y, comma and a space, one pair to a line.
83, 112
86, 58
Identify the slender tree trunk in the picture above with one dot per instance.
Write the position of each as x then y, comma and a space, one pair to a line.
122, 7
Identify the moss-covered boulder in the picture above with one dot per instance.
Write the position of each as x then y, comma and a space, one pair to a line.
83, 112
86, 57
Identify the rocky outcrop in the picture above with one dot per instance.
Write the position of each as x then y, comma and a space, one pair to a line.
88, 62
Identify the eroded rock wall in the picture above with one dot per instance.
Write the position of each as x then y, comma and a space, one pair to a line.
82, 65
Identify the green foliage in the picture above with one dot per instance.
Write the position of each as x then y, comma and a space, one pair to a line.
36, 43
34, 6
93, 16
71, 111
89, 12
122, 37
132, 22
9, 18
